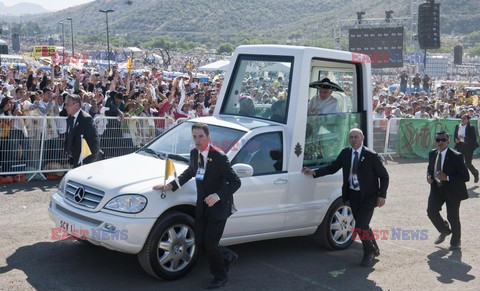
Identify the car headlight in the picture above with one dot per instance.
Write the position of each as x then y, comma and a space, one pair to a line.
61, 186
131, 203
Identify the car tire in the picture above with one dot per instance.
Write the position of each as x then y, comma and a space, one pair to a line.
170, 251
336, 230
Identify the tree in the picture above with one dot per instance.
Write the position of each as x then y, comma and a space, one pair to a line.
225, 48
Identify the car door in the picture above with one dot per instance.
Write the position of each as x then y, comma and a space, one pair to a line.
260, 201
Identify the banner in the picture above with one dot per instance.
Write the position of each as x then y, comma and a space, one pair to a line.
415, 137
44, 51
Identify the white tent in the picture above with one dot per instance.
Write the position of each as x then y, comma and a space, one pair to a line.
215, 66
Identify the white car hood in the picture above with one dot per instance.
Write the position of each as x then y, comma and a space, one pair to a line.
129, 174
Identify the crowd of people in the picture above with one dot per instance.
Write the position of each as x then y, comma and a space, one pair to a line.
149, 93
418, 97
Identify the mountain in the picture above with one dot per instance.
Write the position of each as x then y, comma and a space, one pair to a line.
21, 9
242, 21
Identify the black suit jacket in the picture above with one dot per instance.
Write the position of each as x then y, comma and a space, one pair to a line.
372, 176
219, 178
454, 167
83, 126
470, 138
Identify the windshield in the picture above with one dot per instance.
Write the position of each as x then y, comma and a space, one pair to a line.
178, 140
260, 88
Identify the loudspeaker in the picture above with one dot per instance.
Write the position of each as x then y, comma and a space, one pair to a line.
457, 55
15, 43
429, 25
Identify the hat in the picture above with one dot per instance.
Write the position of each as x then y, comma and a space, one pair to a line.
383, 93
327, 84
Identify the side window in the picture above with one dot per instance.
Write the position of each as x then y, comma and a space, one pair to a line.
333, 109
263, 152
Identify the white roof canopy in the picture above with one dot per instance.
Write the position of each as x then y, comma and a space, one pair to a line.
215, 66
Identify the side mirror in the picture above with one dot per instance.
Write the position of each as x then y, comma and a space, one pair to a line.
243, 170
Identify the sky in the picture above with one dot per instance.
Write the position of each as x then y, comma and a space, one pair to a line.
52, 5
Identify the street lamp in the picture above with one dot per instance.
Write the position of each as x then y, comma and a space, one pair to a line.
360, 16
63, 44
388, 15
108, 38
71, 29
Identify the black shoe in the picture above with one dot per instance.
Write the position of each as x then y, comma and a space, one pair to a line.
455, 247
442, 237
476, 179
215, 283
229, 261
367, 259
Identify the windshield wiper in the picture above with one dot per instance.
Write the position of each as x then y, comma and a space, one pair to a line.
153, 153
178, 158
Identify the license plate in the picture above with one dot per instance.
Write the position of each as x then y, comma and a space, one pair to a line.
68, 226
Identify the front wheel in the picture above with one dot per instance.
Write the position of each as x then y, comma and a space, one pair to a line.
336, 230
170, 252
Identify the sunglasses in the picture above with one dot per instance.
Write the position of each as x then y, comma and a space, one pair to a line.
440, 139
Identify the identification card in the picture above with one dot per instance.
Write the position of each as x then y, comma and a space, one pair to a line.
200, 174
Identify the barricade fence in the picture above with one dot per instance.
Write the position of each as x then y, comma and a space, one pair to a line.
413, 137
34, 145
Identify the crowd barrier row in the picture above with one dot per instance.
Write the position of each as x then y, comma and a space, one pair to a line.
34, 145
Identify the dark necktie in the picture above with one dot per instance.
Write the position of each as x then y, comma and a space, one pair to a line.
439, 162
69, 123
201, 163
438, 168
354, 169
355, 162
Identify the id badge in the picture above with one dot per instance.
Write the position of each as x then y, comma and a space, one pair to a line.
200, 174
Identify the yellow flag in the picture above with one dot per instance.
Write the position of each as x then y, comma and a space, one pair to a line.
129, 64
170, 170
85, 151
110, 73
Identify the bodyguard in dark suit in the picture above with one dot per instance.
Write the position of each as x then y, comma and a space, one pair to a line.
365, 183
446, 175
216, 182
79, 123
466, 143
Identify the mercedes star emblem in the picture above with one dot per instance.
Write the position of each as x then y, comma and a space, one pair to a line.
79, 194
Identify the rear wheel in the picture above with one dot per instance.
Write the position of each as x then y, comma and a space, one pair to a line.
170, 252
337, 227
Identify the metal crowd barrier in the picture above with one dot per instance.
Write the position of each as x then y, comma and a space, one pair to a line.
34, 145
385, 136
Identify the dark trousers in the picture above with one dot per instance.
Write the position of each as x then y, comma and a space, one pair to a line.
362, 211
468, 156
435, 203
207, 236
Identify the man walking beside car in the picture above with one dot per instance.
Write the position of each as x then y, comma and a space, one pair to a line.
80, 124
365, 183
447, 175
216, 182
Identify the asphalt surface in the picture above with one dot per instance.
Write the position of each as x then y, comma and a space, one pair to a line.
30, 259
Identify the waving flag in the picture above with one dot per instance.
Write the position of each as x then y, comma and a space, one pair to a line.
85, 151
170, 170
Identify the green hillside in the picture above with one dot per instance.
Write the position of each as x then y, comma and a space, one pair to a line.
240, 21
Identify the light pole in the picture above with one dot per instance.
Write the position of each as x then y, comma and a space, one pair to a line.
63, 44
108, 38
71, 30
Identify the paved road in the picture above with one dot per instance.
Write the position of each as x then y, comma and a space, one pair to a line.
29, 259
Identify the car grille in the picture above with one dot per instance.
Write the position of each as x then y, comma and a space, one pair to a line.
91, 196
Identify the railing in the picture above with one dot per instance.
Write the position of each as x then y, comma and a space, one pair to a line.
34, 145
